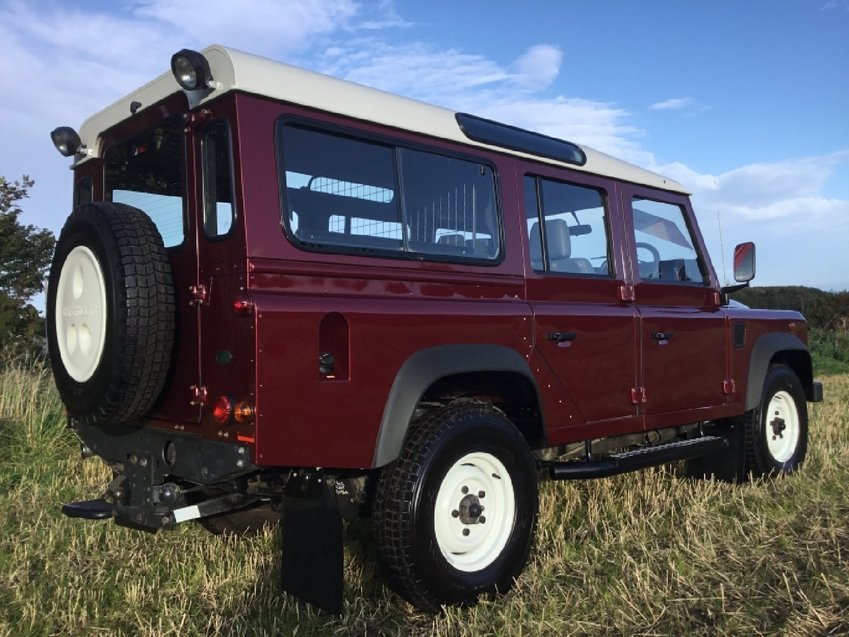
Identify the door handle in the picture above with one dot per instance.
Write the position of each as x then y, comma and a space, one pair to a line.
561, 337
661, 336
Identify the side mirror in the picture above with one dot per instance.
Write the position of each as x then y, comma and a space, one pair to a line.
744, 262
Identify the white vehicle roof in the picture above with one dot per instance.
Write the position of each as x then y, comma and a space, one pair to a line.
234, 70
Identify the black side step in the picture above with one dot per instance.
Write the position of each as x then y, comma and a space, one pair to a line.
638, 459
98, 509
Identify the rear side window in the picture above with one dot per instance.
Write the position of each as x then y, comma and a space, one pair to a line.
344, 194
567, 228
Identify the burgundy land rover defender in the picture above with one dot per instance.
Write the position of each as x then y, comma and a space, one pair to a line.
282, 293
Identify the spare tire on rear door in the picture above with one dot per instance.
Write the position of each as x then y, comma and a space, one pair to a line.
110, 314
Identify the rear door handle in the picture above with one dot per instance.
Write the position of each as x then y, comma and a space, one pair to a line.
561, 337
661, 336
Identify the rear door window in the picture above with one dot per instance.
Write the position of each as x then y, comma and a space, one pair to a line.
146, 172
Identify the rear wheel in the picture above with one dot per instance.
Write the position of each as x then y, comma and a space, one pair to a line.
110, 314
455, 514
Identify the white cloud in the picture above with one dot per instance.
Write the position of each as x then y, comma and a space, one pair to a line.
674, 104
512, 93
261, 26
387, 18
537, 68
783, 207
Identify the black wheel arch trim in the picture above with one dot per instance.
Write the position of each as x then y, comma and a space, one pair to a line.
764, 352
421, 370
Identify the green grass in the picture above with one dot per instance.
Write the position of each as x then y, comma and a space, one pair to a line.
641, 554
830, 351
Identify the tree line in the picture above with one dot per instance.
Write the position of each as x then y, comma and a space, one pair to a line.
25, 254
823, 310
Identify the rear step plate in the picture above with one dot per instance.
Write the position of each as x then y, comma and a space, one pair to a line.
98, 509
637, 459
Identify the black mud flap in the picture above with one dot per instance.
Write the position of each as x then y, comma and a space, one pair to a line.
312, 568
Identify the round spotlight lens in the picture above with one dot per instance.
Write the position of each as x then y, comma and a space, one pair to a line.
191, 70
66, 140
185, 73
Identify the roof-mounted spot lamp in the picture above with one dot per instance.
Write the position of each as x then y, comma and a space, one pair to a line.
191, 70
67, 141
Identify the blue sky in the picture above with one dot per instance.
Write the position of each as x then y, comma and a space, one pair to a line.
746, 103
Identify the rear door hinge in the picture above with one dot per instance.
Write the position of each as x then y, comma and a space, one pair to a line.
638, 395
198, 394
200, 295
729, 387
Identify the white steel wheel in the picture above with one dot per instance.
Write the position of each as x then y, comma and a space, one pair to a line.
80, 314
474, 512
782, 426
455, 513
776, 432
110, 314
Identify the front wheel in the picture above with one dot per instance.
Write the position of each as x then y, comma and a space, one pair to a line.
455, 514
777, 431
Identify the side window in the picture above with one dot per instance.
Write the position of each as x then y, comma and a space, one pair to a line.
665, 246
449, 205
567, 228
218, 208
368, 196
339, 191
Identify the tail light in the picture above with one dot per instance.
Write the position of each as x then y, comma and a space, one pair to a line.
222, 410
243, 305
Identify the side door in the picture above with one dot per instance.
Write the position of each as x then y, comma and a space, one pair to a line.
682, 328
584, 323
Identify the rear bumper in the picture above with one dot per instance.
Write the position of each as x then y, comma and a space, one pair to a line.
151, 467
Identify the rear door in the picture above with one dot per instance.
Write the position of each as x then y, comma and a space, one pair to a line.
148, 165
585, 326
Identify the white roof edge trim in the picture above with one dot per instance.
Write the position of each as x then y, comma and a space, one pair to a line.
234, 70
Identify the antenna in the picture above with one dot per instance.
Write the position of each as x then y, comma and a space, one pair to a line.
721, 244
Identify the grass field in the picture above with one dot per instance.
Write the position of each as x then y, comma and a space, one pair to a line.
641, 554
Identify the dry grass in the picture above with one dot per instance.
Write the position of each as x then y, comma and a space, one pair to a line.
641, 554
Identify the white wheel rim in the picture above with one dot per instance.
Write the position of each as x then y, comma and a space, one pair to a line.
80, 314
782, 427
467, 541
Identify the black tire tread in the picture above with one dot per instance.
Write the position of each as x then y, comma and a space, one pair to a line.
143, 305
394, 499
756, 462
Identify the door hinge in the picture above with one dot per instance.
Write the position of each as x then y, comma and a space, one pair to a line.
198, 394
200, 295
638, 395
729, 387
627, 294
